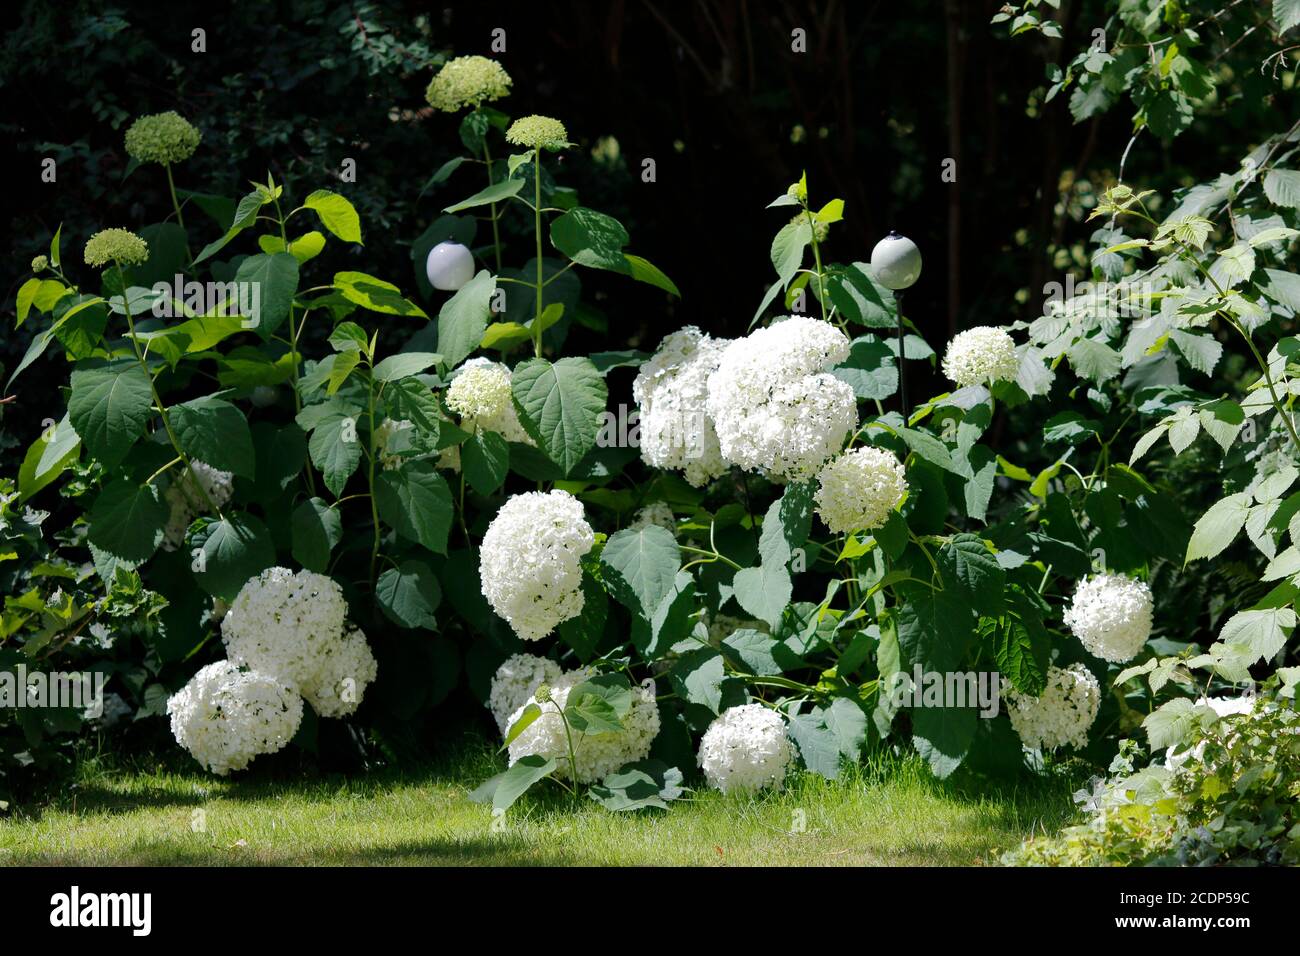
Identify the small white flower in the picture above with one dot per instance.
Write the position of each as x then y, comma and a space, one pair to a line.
746, 748
859, 489
1062, 715
227, 715
1111, 616
980, 356
530, 564
480, 394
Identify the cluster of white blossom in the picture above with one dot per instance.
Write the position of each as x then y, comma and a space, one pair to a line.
1111, 616
656, 514
227, 715
479, 393
671, 390
530, 564
185, 500
858, 490
774, 405
514, 683
595, 756
1244, 705
384, 432
1061, 716
746, 748
980, 356
293, 625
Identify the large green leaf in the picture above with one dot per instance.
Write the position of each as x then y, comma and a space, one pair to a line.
641, 565
52, 452
934, 631
336, 214
375, 294
127, 520
109, 407
335, 448
1218, 527
485, 460
764, 591
971, 566
591, 238
415, 500
408, 595
216, 433
317, 529
943, 736
560, 405
276, 277
505, 788
1260, 633
464, 318
233, 549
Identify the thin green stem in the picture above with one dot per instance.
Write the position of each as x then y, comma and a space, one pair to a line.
537, 232
180, 220
496, 232
374, 506
817, 258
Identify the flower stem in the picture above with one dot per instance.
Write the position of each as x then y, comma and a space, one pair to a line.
496, 232
537, 232
180, 220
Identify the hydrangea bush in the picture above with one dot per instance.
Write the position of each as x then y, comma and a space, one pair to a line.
738, 587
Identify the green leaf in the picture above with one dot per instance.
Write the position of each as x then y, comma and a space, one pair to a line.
1286, 13
591, 239
317, 529
644, 271
335, 448
698, 677
505, 788
1218, 527
967, 561
788, 249
415, 500
817, 744
583, 633
647, 783
485, 460
1259, 633
463, 319
216, 433
560, 406
943, 736
934, 631
404, 365
276, 278
375, 294
233, 549
642, 567
110, 405
494, 193
336, 214
753, 651
127, 520
597, 705
53, 451
408, 595
1094, 360
764, 591
1282, 187
1172, 723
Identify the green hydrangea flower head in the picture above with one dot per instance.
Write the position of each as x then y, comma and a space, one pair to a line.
116, 245
162, 138
40, 264
537, 132
820, 229
467, 81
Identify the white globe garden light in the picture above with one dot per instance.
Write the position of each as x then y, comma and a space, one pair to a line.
896, 264
449, 266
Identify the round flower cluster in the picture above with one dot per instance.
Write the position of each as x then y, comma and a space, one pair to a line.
859, 489
227, 715
537, 132
384, 432
1062, 715
531, 561
746, 748
1111, 616
162, 138
657, 514
480, 394
40, 264
981, 355
116, 245
292, 625
672, 391
820, 230
515, 682
467, 81
186, 501
774, 406
595, 756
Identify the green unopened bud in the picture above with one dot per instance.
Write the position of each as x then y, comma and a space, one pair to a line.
543, 693
40, 264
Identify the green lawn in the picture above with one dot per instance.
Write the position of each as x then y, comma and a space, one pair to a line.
889, 813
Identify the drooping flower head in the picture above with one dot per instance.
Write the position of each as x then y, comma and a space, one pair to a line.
116, 245
227, 715
467, 82
515, 682
530, 564
1062, 714
672, 390
537, 132
596, 755
1111, 616
162, 138
858, 490
775, 407
746, 749
480, 394
980, 356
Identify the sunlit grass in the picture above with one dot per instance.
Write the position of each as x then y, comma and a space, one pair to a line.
890, 812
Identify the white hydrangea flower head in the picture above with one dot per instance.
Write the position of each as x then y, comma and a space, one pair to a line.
479, 393
467, 82
384, 431
774, 406
345, 669
294, 625
185, 500
746, 748
227, 715
596, 755
672, 391
980, 356
514, 683
1244, 705
859, 489
1062, 716
530, 564
1111, 616
657, 514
